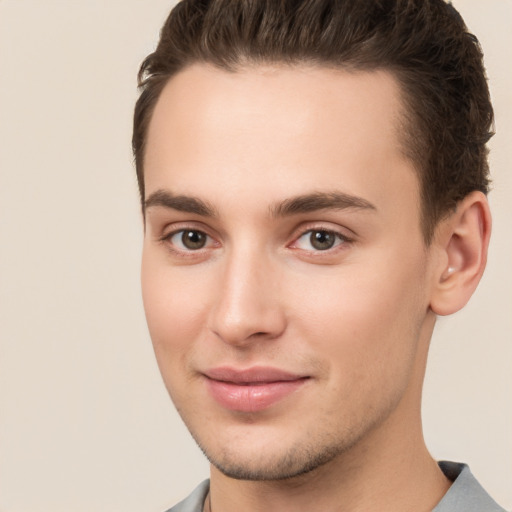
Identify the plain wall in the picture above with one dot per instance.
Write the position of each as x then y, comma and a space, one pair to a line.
85, 422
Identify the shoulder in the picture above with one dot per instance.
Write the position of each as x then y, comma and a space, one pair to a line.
193, 502
465, 494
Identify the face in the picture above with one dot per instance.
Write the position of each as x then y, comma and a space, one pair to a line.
285, 278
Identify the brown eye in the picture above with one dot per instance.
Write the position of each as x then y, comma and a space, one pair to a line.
315, 240
186, 240
322, 240
193, 240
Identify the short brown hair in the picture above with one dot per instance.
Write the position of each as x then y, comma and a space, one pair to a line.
424, 43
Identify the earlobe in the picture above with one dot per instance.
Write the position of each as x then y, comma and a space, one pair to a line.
463, 239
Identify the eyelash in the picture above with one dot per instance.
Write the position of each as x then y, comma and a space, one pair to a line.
340, 240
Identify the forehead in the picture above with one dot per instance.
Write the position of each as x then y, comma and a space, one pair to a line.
277, 130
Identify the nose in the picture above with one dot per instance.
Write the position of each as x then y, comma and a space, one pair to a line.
247, 306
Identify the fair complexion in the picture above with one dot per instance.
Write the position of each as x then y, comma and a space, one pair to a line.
288, 290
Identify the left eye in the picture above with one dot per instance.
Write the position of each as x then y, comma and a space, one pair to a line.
189, 239
319, 240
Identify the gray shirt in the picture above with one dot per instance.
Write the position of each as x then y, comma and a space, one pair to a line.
465, 494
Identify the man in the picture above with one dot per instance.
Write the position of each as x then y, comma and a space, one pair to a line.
313, 178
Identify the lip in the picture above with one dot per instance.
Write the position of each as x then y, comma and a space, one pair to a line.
253, 389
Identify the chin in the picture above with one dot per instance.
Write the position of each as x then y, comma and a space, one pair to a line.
271, 461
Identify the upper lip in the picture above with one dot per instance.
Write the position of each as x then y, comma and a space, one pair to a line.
253, 375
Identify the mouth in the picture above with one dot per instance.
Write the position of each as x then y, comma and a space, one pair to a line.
251, 390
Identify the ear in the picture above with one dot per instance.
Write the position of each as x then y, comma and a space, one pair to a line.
462, 240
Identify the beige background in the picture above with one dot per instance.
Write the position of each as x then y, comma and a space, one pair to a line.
85, 423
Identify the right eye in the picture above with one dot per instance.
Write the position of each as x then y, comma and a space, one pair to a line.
188, 240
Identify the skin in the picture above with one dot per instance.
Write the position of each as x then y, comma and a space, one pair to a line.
355, 319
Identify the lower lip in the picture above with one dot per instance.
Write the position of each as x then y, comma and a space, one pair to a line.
252, 397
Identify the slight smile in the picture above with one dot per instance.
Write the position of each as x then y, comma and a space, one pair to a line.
253, 389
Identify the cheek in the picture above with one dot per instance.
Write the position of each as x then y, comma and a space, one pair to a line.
173, 304
365, 325
175, 318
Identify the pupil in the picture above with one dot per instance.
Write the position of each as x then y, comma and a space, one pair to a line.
193, 239
322, 240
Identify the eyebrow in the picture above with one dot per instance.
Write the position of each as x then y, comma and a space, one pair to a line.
181, 203
306, 203
320, 201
